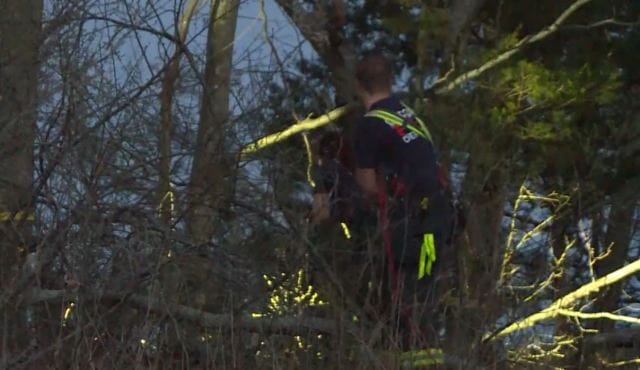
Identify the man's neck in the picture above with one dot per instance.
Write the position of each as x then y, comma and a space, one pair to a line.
375, 97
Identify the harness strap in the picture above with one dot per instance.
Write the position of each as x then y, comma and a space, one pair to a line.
394, 119
423, 126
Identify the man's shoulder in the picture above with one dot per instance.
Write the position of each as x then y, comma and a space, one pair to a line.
370, 119
368, 122
391, 103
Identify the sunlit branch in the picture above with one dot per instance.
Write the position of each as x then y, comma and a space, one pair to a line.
307, 146
556, 273
535, 231
508, 251
623, 363
602, 23
604, 254
307, 124
524, 194
543, 34
541, 353
598, 315
560, 199
554, 309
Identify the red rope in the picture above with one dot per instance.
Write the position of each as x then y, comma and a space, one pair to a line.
386, 240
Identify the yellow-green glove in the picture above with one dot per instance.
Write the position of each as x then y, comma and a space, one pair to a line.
427, 255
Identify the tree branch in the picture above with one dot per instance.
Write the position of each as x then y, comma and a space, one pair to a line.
598, 315
461, 13
325, 36
157, 305
130, 26
559, 306
602, 23
304, 125
528, 40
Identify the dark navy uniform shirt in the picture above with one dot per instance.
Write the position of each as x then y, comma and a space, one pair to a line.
395, 150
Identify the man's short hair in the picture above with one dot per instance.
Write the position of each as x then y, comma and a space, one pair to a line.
374, 72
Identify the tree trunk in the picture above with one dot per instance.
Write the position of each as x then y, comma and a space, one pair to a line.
561, 232
194, 278
210, 188
618, 236
166, 196
480, 254
322, 31
461, 13
20, 23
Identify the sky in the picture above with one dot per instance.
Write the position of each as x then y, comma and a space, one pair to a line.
149, 51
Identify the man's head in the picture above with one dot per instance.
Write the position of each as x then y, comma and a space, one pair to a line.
374, 75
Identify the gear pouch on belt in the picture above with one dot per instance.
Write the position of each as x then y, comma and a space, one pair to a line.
419, 222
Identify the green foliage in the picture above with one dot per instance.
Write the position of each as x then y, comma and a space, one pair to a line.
539, 103
433, 23
400, 23
556, 129
508, 41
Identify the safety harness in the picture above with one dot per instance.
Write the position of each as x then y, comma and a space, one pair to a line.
411, 122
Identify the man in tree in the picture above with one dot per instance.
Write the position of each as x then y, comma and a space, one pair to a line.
396, 167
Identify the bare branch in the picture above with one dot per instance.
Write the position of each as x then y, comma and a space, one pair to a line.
635, 361
130, 26
602, 23
598, 315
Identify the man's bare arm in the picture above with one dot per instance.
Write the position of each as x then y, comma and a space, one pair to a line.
367, 180
321, 211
